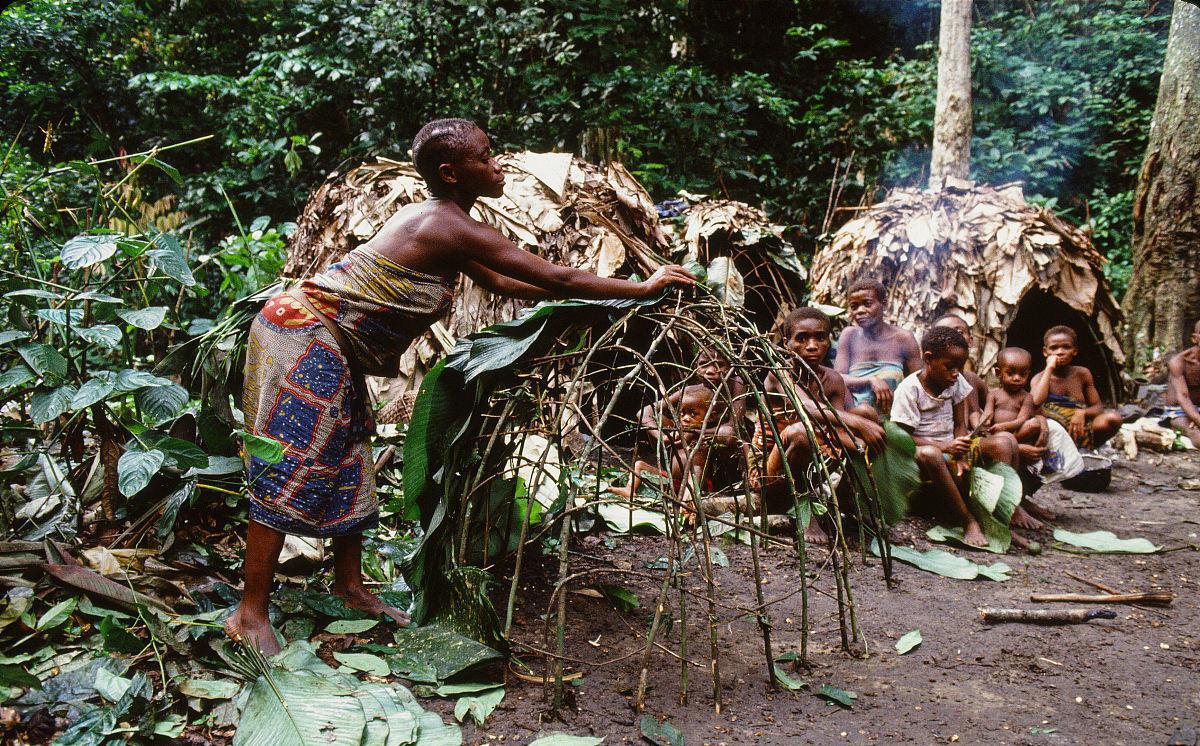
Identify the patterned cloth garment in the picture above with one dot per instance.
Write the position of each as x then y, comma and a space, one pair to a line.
892, 373
299, 390
1061, 409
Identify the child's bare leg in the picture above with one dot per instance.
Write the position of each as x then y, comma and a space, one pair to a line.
635, 479
934, 468
1104, 426
348, 582
1188, 428
798, 450
1030, 440
250, 624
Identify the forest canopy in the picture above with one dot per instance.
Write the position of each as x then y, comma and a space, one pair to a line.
778, 103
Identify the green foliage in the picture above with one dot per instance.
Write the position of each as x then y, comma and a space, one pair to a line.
781, 103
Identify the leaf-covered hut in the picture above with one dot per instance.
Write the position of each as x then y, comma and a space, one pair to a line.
1009, 268
570, 212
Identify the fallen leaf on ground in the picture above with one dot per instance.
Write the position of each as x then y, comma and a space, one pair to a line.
1106, 542
908, 641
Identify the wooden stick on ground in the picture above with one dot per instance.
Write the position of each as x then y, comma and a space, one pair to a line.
1045, 616
1158, 598
1092, 583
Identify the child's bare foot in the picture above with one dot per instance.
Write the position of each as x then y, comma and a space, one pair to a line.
973, 535
814, 534
253, 631
1037, 511
1030, 454
357, 597
1022, 519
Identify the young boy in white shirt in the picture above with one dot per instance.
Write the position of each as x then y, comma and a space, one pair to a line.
931, 405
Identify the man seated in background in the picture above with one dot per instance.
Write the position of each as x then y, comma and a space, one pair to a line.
1183, 390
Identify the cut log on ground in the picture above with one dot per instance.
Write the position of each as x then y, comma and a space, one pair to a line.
1044, 616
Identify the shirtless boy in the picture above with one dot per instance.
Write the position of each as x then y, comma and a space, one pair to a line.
1067, 393
721, 425
702, 425
1010, 407
1183, 389
931, 406
807, 336
874, 356
973, 378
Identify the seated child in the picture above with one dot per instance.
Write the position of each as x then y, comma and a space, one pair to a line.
806, 336
977, 383
1010, 408
931, 406
872, 355
1183, 390
1067, 393
712, 411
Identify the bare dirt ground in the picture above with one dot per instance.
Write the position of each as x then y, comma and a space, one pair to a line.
1131, 680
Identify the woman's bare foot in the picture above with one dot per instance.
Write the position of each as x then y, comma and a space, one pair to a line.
1037, 511
360, 599
1022, 519
1030, 454
973, 535
252, 631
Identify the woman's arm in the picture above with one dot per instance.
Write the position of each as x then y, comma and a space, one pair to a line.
502, 284
841, 361
486, 247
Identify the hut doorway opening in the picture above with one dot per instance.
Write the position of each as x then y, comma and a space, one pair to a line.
1040, 310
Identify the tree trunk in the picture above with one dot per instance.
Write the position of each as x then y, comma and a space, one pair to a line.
952, 120
1164, 293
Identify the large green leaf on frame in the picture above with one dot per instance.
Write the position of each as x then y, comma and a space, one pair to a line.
480, 354
86, 250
